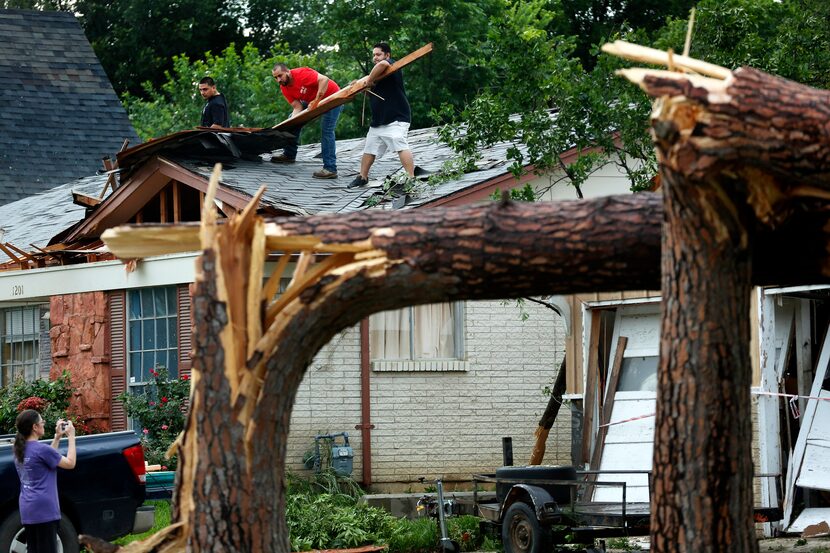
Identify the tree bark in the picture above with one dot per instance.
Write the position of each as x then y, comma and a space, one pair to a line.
702, 475
739, 156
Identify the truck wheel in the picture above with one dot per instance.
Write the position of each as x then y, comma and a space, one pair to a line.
12, 539
522, 533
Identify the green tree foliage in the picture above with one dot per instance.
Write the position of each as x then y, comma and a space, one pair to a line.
546, 103
458, 29
295, 23
43, 5
591, 22
137, 40
789, 38
243, 77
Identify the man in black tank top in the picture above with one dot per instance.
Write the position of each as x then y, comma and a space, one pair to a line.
390, 117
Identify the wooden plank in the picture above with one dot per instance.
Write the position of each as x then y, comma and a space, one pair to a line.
163, 210
803, 351
21, 252
607, 405
85, 201
9, 253
590, 394
177, 202
348, 93
815, 468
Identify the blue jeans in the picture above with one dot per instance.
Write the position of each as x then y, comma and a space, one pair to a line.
327, 140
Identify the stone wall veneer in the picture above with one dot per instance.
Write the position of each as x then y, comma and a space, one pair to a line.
79, 345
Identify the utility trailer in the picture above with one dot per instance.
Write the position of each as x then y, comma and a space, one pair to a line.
540, 507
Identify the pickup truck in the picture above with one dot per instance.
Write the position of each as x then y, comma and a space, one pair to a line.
102, 496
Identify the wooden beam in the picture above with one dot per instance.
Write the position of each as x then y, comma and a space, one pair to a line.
9, 253
590, 395
177, 202
163, 211
348, 93
81, 199
606, 407
27, 255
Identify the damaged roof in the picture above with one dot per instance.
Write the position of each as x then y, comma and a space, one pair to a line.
60, 115
290, 188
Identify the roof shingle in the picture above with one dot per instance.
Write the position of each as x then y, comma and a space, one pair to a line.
60, 115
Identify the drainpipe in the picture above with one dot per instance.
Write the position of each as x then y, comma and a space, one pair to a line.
365, 425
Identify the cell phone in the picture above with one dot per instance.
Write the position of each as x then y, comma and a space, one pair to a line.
63, 426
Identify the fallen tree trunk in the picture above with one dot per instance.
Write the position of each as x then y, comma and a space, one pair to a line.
548, 418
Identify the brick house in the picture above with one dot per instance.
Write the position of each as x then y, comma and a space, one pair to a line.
431, 390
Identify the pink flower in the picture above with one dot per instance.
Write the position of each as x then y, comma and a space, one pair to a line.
146, 431
185, 377
164, 427
164, 399
153, 372
163, 467
152, 404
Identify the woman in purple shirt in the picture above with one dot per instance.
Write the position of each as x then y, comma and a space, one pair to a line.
37, 466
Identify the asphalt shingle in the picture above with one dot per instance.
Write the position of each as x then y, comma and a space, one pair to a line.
60, 115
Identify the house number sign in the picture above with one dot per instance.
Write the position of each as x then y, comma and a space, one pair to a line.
17, 290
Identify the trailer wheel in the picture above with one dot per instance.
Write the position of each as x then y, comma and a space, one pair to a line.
522, 533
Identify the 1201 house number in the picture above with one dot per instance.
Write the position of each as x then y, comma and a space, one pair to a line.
17, 290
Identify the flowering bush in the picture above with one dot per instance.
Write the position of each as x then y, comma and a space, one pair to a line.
49, 397
37, 403
159, 411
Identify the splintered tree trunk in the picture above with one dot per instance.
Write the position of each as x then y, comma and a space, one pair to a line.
739, 153
702, 475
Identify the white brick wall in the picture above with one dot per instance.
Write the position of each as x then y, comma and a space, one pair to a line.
446, 424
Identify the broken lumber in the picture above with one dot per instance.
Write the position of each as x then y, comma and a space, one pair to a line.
348, 93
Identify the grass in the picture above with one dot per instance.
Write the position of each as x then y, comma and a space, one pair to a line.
162, 521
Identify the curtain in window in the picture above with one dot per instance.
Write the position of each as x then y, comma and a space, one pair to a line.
433, 331
389, 335
422, 332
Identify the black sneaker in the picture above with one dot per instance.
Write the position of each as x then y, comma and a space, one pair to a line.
358, 181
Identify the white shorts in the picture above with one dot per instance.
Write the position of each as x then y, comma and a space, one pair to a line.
391, 136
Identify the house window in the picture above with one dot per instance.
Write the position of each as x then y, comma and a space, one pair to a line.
19, 338
152, 332
424, 332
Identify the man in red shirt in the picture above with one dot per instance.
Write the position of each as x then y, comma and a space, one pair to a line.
303, 88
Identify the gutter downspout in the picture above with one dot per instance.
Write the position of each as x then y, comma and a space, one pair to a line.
365, 425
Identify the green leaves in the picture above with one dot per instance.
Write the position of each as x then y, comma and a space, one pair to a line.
549, 106
244, 77
56, 393
159, 411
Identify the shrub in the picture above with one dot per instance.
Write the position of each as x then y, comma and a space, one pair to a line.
350, 523
49, 397
159, 411
465, 531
